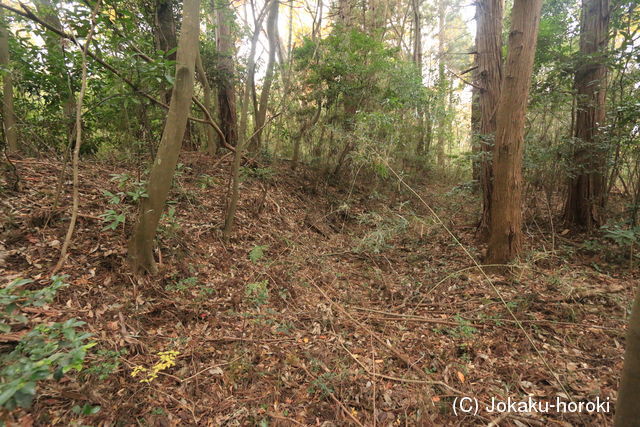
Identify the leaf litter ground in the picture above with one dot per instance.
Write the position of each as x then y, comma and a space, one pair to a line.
329, 306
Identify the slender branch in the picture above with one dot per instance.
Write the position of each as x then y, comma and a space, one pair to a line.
463, 80
76, 149
28, 14
208, 118
469, 70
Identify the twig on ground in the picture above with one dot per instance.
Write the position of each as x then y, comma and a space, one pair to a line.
487, 279
335, 399
391, 348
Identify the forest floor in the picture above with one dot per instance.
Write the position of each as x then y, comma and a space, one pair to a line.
328, 305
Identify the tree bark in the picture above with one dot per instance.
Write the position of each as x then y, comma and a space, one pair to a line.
417, 60
165, 34
629, 393
212, 144
161, 176
165, 22
226, 72
585, 199
316, 30
506, 199
442, 87
417, 40
304, 128
344, 13
8, 114
428, 127
476, 148
272, 33
489, 78
244, 119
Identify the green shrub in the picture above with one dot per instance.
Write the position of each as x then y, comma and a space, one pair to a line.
258, 292
47, 351
12, 297
257, 253
386, 228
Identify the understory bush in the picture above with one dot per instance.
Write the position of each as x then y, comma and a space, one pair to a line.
48, 350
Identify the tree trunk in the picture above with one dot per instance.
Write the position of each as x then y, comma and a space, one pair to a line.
442, 89
226, 72
586, 188
290, 34
304, 128
272, 33
76, 148
506, 199
378, 11
8, 115
166, 38
212, 145
163, 168
417, 60
428, 128
349, 103
165, 33
244, 118
629, 393
344, 13
317, 21
476, 148
489, 73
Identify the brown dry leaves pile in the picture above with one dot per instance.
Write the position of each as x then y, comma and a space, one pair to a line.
360, 309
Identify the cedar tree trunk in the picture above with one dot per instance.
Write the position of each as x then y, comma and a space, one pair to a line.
506, 199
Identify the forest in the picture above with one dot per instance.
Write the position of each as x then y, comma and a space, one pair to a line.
320, 213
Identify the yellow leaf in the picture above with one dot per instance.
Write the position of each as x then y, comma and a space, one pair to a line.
460, 376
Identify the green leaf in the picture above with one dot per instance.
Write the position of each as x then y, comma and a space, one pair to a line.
257, 252
47, 351
7, 391
17, 283
24, 396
